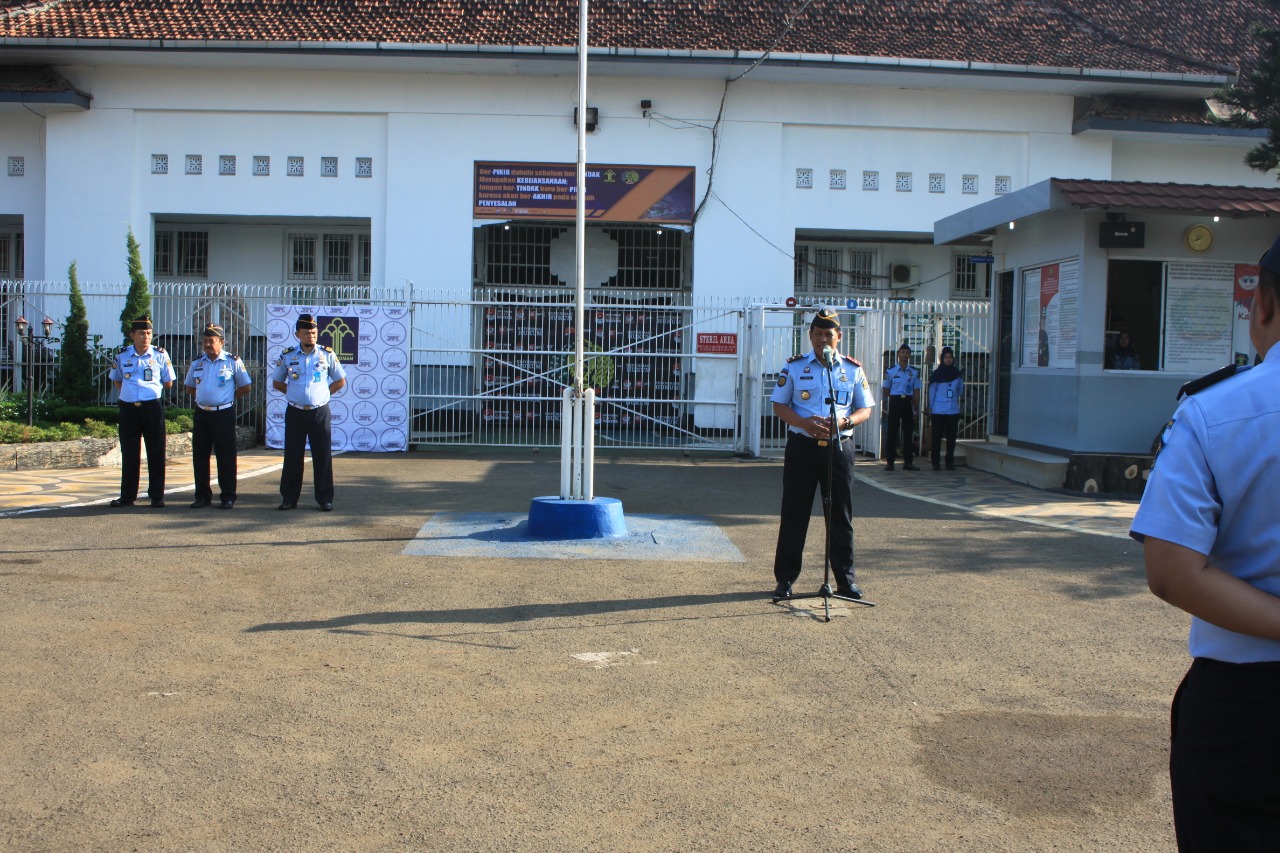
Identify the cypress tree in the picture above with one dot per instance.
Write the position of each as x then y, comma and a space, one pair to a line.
1255, 101
74, 383
138, 302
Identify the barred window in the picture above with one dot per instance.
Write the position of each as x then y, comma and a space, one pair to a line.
181, 254
649, 258
824, 268
520, 254
337, 257
970, 280
302, 257
365, 249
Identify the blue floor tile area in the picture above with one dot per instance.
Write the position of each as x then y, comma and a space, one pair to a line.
496, 534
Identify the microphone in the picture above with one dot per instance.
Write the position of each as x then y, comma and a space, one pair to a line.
829, 356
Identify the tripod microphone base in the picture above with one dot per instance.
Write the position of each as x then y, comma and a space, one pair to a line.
826, 595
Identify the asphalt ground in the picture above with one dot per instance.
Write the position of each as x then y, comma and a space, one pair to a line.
261, 680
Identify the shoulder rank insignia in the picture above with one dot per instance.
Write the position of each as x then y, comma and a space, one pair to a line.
852, 360
326, 349
288, 350
795, 357
1195, 386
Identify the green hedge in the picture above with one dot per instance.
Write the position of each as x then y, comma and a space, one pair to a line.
55, 421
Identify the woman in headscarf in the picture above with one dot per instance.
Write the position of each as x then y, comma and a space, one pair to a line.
1124, 356
946, 384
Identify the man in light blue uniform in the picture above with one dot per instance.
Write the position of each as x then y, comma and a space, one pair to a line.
307, 375
801, 401
1211, 540
140, 373
902, 400
217, 379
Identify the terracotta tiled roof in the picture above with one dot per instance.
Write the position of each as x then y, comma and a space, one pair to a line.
1159, 36
1199, 198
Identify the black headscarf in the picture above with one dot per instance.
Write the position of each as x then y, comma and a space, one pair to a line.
945, 372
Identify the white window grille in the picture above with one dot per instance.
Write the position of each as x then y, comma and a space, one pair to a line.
295, 167
937, 182
825, 268
1003, 184
195, 164
871, 181
159, 164
17, 167
302, 257
227, 164
970, 280
261, 165
837, 180
337, 257
364, 167
804, 179
969, 184
328, 167
902, 182
364, 248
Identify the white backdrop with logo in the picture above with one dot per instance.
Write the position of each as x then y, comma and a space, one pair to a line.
372, 342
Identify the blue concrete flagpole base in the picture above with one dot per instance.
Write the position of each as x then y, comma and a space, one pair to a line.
556, 518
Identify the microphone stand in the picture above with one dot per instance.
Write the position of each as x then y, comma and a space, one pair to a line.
833, 447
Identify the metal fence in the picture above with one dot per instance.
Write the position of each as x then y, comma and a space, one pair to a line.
489, 365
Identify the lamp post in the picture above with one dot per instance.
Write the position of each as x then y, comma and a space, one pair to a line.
26, 337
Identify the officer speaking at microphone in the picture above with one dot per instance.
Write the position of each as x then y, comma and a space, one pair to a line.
140, 373
308, 375
217, 379
801, 401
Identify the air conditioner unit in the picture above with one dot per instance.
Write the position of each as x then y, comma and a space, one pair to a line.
902, 274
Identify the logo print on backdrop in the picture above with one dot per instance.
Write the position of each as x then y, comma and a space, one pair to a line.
394, 439
368, 359
279, 310
273, 355
275, 410
368, 333
394, 311
339, 439
393, 333
394, 387
365, 413
275, 436
395, 359
364, 386
341, 333
364, 440
363, 311
278, 331
337, 412
395, 414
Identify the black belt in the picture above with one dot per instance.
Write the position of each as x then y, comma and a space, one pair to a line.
821, 442
900, 397
140, 403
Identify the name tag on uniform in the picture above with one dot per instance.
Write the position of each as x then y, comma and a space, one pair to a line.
147, 374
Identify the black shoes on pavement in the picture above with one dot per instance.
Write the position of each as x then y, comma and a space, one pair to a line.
287, 505
200, 503
782, 590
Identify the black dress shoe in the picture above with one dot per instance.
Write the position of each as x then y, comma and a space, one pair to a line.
782, 590
937, 467
287, 505
852, 591
227, 505
122, 502
951, 467
889, 467
326, 507
200, 503
157, 503
909, 467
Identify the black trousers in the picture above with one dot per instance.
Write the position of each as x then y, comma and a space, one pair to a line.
1225, 755
214, 432
300, 427
138, 424
804, 469
901, 421
944, 425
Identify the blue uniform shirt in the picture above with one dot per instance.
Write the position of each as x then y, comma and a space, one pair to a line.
141, 375
802, 385
216, 380
1213, 490
307, 376
901, 381
944, 397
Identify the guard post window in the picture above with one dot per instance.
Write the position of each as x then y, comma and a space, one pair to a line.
970, 280
181, 255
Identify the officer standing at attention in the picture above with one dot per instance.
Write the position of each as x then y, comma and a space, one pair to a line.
307, 375
1211, 541
801, 401
902, 391
217, 379
140, 373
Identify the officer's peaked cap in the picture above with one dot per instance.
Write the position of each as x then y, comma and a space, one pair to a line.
141, 324
214, 331
305, 321
825, 319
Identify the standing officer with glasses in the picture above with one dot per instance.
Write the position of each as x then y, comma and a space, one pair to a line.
140, 373
308, 375
800, 400
217, 379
